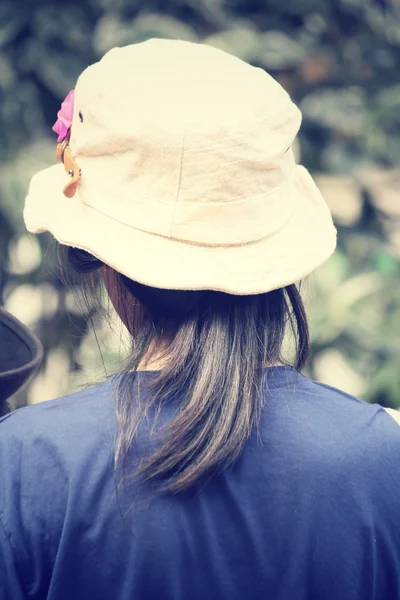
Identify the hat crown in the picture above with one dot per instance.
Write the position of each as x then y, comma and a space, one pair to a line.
170, 128
184, 81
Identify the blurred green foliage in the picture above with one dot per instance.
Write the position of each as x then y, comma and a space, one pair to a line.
340, 61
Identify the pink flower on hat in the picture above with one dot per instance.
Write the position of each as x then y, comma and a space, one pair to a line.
64, 121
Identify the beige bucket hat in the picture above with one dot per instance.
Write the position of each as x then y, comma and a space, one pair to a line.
179, 173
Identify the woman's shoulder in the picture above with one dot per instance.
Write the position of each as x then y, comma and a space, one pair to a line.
324, 398
46, 452
44, 446
90, 400
66, 426
373, 415
330, 426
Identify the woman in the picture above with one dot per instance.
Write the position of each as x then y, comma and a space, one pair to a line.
210, 467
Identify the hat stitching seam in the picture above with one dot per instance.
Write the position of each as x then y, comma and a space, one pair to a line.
179, 180
120, 149
289, 178
184, 241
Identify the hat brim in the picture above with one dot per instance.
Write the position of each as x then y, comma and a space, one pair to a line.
306, 241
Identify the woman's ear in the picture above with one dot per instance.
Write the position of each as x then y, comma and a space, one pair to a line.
111, 284
122, 301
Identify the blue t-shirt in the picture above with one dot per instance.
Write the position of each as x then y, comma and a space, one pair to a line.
311, 509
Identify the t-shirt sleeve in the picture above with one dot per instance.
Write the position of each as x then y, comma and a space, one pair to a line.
383, 468
10, 586
31, 513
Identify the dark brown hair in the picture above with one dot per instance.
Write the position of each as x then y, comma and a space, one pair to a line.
216, 349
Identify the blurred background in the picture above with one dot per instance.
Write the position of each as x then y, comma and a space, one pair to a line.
340, 61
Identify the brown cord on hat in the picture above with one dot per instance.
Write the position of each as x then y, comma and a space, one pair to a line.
64, 155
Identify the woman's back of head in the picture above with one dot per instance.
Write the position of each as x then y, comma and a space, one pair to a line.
211, 344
